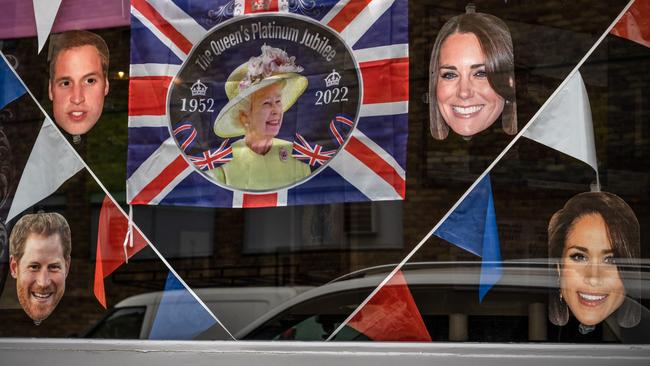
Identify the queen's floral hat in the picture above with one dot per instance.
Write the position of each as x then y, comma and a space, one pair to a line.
272, 66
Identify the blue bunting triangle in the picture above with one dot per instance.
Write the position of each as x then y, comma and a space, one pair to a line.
179, 315
10, 87
472, 226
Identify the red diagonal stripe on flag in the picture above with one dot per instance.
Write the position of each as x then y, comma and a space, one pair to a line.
373, 161
153, 189
347, 14
163, 25
385, 81
147, 95
260, 200
111, 232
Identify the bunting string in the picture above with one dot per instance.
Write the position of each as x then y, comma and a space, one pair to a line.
130, 231
126, 242
480, 178
132, 225
128, 237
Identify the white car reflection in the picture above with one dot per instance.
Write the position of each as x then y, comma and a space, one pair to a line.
514, 310
446, 293
133, 317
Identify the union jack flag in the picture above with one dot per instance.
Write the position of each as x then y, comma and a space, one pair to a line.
211, 158
370, 164
313, 155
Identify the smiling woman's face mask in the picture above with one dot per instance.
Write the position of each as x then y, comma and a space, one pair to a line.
589, 280
465, 98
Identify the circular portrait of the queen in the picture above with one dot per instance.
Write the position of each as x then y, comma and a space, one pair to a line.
263, 103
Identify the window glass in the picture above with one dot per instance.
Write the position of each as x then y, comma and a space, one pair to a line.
513, 217
121, 324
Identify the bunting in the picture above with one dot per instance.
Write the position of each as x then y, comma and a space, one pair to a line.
368, 166
51, 161
179, 316
50, 164
114, 245
10, 90
45, 12
474, 211
10, 87
635, 23
472, 226
392, 315
565, 124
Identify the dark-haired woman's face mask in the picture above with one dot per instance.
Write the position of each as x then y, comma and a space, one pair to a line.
589, 278
466, 101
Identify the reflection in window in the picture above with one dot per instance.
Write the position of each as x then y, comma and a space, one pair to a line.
124, 323
337, 226
311, 245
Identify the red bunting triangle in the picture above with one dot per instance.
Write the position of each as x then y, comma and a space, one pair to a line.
635, 23
113, 226
391, 315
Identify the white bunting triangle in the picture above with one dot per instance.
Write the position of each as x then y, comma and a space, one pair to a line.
51, 163
45, 12
565, 124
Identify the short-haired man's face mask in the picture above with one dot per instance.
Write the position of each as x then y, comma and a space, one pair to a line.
77, 89
40, 275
